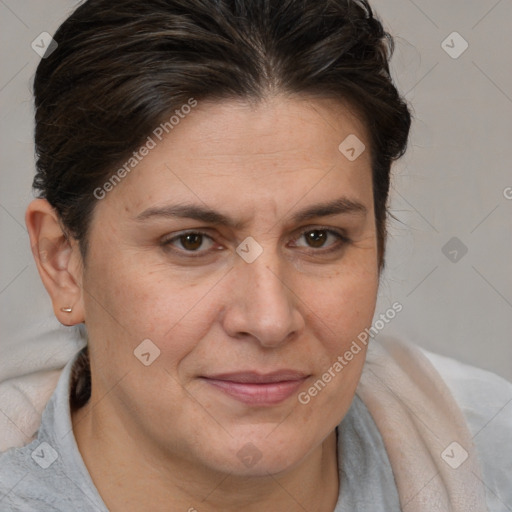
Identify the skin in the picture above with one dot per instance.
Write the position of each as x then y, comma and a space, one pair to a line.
173, 436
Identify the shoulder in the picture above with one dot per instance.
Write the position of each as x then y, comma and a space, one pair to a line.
485, 399
44, 477
24, 486
48, 474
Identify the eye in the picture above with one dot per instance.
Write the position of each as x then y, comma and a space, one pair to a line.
317, 238
190, 241
198, 243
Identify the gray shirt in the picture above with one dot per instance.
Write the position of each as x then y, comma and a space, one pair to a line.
49, 473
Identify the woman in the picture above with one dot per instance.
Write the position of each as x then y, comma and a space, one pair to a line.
213, 180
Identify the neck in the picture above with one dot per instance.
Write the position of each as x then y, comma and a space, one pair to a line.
129, 473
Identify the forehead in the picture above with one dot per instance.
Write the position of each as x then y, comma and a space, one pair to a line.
282, 127
235, 152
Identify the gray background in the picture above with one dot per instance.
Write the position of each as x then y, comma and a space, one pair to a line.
453, 182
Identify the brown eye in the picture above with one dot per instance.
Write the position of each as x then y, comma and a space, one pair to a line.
323, 239
191, 241
316, 238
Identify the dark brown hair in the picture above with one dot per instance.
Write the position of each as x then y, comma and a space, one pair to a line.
122, 67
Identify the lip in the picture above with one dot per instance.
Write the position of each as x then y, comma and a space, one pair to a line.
255, 388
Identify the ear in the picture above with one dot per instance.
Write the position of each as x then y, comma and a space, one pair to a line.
58, 261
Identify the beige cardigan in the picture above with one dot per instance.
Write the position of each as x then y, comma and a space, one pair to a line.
425, 434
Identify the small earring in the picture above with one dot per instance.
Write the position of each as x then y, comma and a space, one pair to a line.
66, 310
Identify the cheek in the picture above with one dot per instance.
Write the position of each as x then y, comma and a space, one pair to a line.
132, 304
345, 307
337, 356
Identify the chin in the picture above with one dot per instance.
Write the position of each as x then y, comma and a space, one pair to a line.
261, 453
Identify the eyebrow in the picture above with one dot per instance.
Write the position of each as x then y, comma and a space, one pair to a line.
338, 206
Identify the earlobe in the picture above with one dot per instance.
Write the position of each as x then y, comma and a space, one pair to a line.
58, 261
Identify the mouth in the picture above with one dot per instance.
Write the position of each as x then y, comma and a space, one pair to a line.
258, 389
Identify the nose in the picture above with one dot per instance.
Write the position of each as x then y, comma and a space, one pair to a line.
262, 305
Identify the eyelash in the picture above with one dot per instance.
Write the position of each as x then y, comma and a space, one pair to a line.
342, 241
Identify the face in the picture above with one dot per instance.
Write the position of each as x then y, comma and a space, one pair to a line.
242, 314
